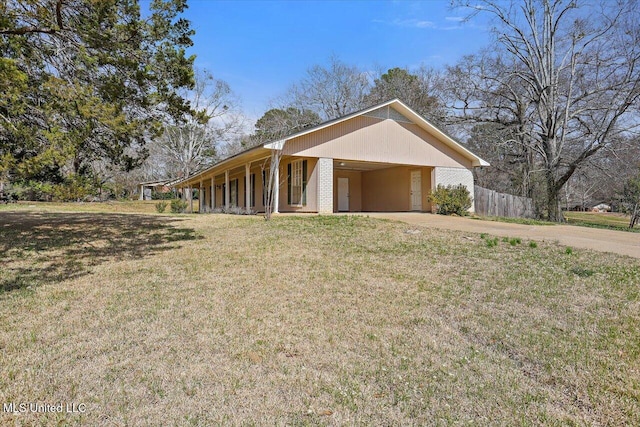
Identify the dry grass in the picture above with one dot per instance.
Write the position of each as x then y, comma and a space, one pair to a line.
213, 319
615, 221
129, 206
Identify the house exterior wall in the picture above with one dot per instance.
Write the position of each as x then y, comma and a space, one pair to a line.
312, 186
355, 189
386, 190
454, 176
389, 190
364, 138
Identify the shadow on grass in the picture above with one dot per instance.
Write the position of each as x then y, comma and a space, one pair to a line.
37, 248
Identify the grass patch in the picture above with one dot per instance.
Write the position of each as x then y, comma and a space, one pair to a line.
582, 272
524, 221
45, 247
610, 221
310, 320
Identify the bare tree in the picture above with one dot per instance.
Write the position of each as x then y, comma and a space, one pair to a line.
272, 181
579, 68
489, 96
631, 199
332, 91
189, 146
280, 122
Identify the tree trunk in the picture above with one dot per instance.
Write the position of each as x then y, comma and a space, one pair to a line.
554, 213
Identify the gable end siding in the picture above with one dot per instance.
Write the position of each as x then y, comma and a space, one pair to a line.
371, 139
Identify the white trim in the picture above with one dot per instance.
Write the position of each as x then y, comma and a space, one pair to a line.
276, 145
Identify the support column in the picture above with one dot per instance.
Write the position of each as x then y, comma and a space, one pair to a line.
276, 190
213, 193
247, 186
190, 196
226, 189
325, 185
201, 199
141, 192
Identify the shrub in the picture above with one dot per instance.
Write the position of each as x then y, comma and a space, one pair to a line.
178, 206
159, 195
75, 188
451, 199
234, 210
161, 206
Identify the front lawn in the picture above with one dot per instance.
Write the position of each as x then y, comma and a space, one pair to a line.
309, 320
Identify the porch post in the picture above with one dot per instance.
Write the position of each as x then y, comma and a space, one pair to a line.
200, 199
247, 186
276, 190
226, 189
141, 192
190, 195
213, 193
325, 185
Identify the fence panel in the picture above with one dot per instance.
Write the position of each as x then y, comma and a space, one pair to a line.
491, 203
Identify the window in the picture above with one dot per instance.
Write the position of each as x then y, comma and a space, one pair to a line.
297, 177
233, 192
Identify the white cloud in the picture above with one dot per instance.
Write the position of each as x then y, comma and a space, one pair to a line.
422, 24
415, 23
407, 23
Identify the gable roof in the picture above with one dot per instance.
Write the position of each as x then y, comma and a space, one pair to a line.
396, 104
403, 109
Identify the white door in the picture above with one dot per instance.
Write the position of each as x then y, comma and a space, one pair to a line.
416, 191
343, 194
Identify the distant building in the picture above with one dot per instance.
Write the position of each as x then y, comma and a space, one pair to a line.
163, 186
601, 208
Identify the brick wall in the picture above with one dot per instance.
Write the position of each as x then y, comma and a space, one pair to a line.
325, 185
454, 176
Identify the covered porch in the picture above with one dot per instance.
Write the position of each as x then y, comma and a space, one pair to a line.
236, 183
381, 187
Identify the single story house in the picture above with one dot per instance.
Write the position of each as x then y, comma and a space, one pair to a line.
384, 158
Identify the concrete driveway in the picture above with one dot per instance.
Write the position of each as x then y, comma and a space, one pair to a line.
618, 242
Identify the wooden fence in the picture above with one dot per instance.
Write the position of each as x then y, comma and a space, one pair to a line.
491, 203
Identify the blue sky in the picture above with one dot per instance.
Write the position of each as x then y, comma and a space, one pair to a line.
261, 47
